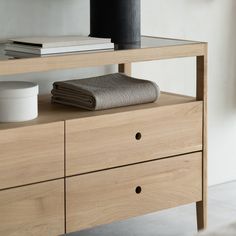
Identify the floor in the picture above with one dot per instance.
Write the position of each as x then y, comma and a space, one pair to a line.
175, 222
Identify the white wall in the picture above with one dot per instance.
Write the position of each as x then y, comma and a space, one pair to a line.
46, 17
206, 20
213, 21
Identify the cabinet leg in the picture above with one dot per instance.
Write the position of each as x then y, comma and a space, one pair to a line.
125, 68
201, 207
201, 215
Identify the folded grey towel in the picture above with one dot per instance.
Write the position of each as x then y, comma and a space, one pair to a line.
104, 92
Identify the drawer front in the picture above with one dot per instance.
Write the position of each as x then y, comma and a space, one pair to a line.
31, 154
103, 197
34, 210
114, 140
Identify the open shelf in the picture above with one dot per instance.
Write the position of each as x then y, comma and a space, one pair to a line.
49, 113
151, 48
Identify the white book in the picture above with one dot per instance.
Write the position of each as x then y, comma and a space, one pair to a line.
60, 41
19, 55
56, 50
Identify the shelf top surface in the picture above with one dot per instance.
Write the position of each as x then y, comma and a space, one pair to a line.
151, 48
146, 42
49, 113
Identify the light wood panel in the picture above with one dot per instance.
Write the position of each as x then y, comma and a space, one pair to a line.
108, 196
202, 95
81, 60
49, 112
107, 141
34, 210
31, 154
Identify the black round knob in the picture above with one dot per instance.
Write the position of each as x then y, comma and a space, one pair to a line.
138, 190
138, 136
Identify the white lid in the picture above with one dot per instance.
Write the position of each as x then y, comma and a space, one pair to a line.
16, 89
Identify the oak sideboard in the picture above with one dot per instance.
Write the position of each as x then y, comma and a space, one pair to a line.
71, 169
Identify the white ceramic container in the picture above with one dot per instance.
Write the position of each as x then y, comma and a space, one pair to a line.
18, 101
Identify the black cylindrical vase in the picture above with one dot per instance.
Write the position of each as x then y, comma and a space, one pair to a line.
126, 22
101, 18
119, 20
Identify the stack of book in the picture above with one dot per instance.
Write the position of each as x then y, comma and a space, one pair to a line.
44, 46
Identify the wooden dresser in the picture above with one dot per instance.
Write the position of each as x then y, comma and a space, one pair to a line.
71, 169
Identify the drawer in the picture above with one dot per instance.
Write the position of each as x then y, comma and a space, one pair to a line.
116, 194
31, 154
107, 141
34, 210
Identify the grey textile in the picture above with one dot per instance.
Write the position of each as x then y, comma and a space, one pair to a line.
104, 92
